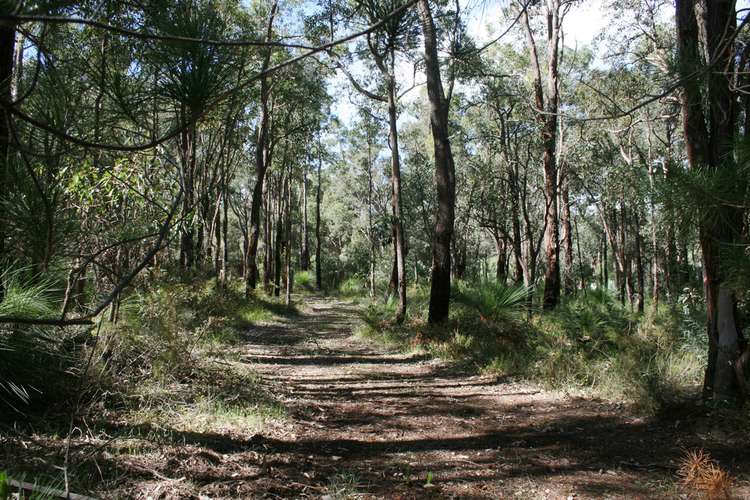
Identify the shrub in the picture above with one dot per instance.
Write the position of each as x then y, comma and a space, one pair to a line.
590, 342
35, 361
492, 298
353, 286
305, 280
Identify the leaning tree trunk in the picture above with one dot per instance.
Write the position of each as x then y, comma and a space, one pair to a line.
440, 287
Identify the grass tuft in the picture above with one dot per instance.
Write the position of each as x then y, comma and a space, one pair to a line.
698, 471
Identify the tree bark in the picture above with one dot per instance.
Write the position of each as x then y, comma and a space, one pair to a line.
709, 148
398, 226
318, 199
440, 287
261, 162
7, 44
187, 157
370, 224
288, 243
547, 110
304, 260
640, 292
567, 235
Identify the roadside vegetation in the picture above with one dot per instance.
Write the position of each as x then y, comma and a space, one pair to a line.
167, 372
591, 343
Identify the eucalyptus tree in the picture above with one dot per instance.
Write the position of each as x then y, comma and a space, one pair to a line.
397, 34
262, 158
445, 177
709, 121
546, 107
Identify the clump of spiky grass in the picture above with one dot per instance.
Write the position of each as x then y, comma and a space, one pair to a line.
26, 298
700, 472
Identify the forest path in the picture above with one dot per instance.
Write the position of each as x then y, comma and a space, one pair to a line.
366, 422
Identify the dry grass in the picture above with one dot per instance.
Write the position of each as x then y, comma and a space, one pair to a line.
700, 472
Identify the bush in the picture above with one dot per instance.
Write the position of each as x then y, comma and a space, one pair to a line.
305, 280
352, 287
491, 298
36, 362
590, 342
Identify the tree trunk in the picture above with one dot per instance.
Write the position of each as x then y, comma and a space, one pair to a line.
279, 243
398, 226
440, 287
304, 260
262, 161
605, 263
640, 276
546, 110
217, 227
370, 225
501, 269
7, 42
318, 199
225, 246
288, 244
267, 238
709, 148
517, 250
567, 235
187, 238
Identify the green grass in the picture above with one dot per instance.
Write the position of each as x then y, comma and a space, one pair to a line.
27, 298
305, 280
353, 287
589, 343
342, 486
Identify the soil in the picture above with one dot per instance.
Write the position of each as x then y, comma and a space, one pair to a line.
366, 422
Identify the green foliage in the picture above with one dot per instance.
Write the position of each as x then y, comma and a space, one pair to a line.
305, 280
352, 286
492, 298
162, 329
4, 490
35, 362
27, 298
590, 343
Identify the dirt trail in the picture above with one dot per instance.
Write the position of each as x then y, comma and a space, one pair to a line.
381, 424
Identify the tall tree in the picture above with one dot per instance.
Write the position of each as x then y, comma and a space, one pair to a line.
708, 141
445, 176
262, 159
547, 110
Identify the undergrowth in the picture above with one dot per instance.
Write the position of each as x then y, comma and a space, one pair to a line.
591, 342
173, 348
165, 373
